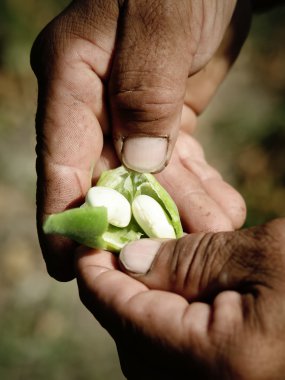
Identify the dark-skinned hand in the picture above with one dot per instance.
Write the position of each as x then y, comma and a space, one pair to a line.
125, 81
206, 306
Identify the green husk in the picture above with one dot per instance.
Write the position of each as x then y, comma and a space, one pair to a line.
89, 225
132, 184
154, 189
119, 179
85, 225
116, 238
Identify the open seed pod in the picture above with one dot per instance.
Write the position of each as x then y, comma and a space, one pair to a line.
122, 207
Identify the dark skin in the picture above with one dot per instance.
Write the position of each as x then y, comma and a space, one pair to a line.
104, 75
210, 305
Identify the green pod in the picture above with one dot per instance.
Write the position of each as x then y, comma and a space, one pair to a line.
153, 188
119, 179
85, 225
132, 184
89, 225
116, 238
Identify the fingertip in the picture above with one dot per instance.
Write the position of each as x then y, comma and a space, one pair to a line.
58, 255
200, 213
59, 273
227, 313
197, 319
229, 200
89, 260
137, 257
145, 154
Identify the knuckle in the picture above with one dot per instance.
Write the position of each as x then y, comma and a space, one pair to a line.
266, 244
274, 245
187, 264
146, 101
252, 259
203, 264
275, 231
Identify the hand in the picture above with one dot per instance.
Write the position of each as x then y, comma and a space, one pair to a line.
117, 68
207, 306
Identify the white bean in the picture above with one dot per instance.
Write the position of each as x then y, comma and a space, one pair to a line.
118, 207
151, 217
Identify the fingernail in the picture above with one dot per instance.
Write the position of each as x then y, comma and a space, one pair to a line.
137, 257
145, 154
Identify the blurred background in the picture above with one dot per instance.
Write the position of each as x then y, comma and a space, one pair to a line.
45, 332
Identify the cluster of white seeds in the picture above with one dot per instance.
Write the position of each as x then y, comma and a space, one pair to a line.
148, 213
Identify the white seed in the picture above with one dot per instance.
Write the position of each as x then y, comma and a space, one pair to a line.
151, 217
118, 207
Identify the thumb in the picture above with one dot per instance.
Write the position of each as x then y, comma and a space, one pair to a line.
199, 266
148, 83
